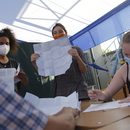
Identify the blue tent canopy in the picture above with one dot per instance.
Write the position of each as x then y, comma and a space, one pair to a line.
112, 24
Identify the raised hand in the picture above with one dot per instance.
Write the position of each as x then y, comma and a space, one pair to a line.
73, 52
23, 77
34, 57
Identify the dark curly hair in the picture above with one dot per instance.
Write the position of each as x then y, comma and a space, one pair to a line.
7, 32
59, 24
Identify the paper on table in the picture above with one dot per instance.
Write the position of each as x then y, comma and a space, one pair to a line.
106, 106
54, 57
53, 105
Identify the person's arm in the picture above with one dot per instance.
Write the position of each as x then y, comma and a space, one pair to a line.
116, 84
81, 64
63, 120
32, 117
33, 60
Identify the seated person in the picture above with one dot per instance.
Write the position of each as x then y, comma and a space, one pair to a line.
8, 43
121, 77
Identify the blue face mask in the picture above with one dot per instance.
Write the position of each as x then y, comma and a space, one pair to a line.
127, 59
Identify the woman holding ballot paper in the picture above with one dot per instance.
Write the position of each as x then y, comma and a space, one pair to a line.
121, 77
72, 80
8, 43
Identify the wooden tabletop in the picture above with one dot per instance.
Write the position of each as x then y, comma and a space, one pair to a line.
123, 124
99, 119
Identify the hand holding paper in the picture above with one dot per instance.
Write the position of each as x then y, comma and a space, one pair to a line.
54, 57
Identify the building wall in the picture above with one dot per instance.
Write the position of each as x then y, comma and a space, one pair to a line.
103, 75
113, 60
91, 74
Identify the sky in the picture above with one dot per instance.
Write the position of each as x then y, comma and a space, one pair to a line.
111, 44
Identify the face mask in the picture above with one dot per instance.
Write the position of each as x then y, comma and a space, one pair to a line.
4, 49
58, 36
127, 59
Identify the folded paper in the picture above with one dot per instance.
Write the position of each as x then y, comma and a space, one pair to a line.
54, 57
53, 105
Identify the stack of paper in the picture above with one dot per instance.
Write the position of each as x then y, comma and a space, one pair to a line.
54, 57
53, 105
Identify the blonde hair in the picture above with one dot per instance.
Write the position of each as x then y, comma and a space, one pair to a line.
126, 38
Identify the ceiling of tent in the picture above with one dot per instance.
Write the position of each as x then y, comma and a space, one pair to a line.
32, 20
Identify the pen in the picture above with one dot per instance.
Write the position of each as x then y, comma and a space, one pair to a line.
92, 87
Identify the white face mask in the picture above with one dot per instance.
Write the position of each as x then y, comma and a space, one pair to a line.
4, 49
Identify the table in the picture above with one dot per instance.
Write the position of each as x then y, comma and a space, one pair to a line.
101, 120
123, 124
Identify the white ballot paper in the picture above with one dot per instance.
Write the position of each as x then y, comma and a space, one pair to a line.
54, 57
16, 80
53, 105
106, 106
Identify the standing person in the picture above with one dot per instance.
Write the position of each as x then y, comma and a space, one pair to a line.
121, 77
8, 43
72, 80
18, 114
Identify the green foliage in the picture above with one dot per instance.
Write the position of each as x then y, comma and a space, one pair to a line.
108, 50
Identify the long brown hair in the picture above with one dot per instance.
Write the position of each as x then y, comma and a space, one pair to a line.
59, 24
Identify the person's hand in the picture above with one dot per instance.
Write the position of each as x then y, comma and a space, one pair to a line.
63, 120
95, 94
68, 110
23, 77
68, 114
73, 52
34, 57
126, 100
